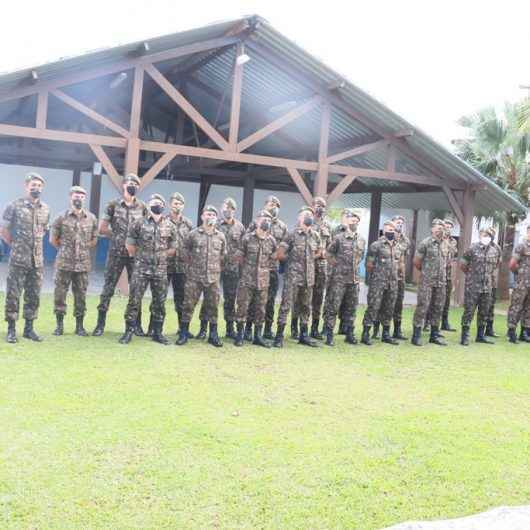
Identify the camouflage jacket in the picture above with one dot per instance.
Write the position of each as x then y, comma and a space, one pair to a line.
257, 259
74, 233
278, 231
499, 260
386, 258
521, 254
323, 229
233, 232
404, 242
183, 226
451, 254
482, 264
120, 218
301, 248
27, 223
205, 254
152, 241
347, 248
433, 255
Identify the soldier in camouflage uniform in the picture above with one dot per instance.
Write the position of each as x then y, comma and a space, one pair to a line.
205, 251
345, 253
491, 313
234, 232
279, 232
431, 260
520, 301
73, 234
382, 265
299, 249
479, 263
119, 215
150, 241
25, 222
256, 253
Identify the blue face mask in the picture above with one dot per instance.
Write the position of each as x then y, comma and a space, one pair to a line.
389, 235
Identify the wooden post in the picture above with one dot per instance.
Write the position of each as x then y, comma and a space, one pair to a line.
320, 187
237, 85
203, 196
248, 200
466, 231
132, 154
95, 198
414, 242
375, 215
76, 177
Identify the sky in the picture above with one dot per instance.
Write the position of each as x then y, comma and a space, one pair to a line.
431, 62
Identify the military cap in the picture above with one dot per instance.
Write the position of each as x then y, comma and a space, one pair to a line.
34, 176
319, 201
306, 209
177, 196
350, 212
264, 213
231, 203
388, 222
210, 208
485, 230
77, 189
398, 218
492, 231
275, 200
449, 222
132, 177
437, 222
157, 197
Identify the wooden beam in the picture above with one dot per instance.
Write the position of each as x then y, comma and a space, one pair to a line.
280, 122
186, 106
301, 185
204, 189
375, 216
235, 112
87, 111
42, 110
107, 164
454, 205
340, 188
155, 169
76, 177
321, 182
248, 200
132, 154
357, 151
466, 231
413, 238
391, 158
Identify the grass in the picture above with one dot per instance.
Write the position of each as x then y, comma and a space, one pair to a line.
97, 435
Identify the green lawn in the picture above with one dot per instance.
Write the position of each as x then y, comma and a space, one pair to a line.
94, 434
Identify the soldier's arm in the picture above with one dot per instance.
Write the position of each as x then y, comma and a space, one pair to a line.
465, 260
94, 240
419, 255
370, 257
131, 242
9, 218
55, 233
172, 247
332, 251
104, 225
514, 260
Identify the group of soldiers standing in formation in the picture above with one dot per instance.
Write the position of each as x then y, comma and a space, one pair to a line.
321, 271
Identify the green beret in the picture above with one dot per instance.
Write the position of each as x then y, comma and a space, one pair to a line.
131, 177
319, 201
437, 222
388, 222
231, 203
177, 196
210, 208
350, 212
398, 218
306, 209
275, 200
34, 176
157, 197
77, 189
264, 213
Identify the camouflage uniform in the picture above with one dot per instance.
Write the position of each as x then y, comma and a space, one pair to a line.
257, 258
520, 302
205, 253
404, 242
27, 222
491, 313
74, 231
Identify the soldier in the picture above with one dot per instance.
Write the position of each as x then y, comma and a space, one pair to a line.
234, 232
345, 253
119, 215
431, 260
205, 249
150, 241
256, 253
382, 265
479, 263
279, 232
73, 234
520, 302
491, 313
300, 249
25, 222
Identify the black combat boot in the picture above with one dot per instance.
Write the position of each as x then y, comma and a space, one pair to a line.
247, 335
481, 337
386, 338
304, 337
150, 329
183, 334
267, 332
100, 325
365, 337
445, 324
29, 332
350, 337
490, 332
59, 329
398, 334
79, 327
278, 339
315, 334
342, 327
435, 337
157, 334
129, 332
230, 334
138, 330
213, 337
416, 336
202, 331
512, 335
294, 329
179, 315
375, 333
258, 338
328, 334
464, 338
524, 335
426, 326
239, 340
11, 336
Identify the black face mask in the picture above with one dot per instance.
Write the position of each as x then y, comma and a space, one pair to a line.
131, 190
389, 235
157, 209
77, 203
265, 225
308, 221
35, 193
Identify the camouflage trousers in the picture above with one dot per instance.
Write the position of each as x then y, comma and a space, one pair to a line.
519, 307
177, 281
381, 300
400, 296
79, 283
341, 295
447, 303
192, 293
137, 288
474, 299
319, 289
295, 294
491, 312
247, 295
115, 266
429, 295
229, 283
274, 282
23, 279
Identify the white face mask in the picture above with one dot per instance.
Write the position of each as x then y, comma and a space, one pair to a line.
485, 240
